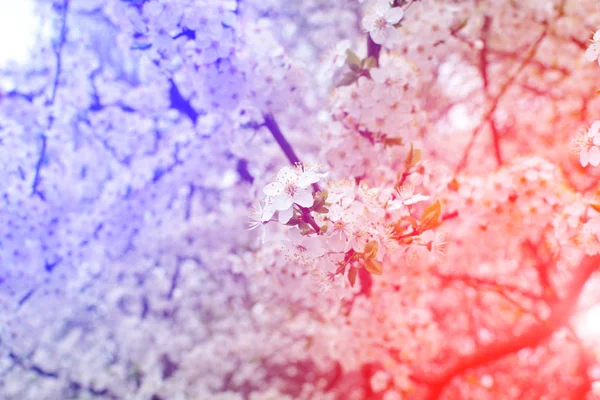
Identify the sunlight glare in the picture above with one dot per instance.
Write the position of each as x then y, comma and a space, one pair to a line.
587, 325
18, 29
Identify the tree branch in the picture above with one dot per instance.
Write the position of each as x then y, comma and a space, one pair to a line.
179, 103
496, 140
474, 281
532, 337
496, 100
541, 267
483, 70
243, 172
286, 147
38, 167
485, 30
289, 152
58, 51
373, 49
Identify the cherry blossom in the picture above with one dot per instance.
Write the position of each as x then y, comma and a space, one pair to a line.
586, 144
262, 199
380, 19
291, 187
592, 52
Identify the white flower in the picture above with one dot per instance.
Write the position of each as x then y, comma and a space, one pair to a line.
340, 227
437, 244
291, 187
593, 51
590, 156
380, 19
256, 216
305, 248
589, 238
405, 196
257, 220
587, 144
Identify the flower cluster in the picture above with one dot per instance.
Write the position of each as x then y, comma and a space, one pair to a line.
343, 226
382, 102
133, 142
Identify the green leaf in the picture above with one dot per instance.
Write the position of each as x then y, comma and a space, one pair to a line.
413, 157
305, 229
352, 276
352, 58
389, 142
319, 203
371, 249
293, 221
341, 269
355, 68
350, 254
348, 79
369, 62
322, 210
459, 25
373, 266
431, 216
324, 194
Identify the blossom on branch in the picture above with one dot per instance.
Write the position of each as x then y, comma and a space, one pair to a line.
291, 187
380, 19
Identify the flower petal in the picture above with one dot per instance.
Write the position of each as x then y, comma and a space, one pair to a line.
273, 189
583, 158
285, 215
303, 198
268, 212
380, 8
368, 22
378, 74
307, 178
417, 198
282, 202
395, 205
287, 174
594, 156
379, 35
394, 15
594, 128
591, 53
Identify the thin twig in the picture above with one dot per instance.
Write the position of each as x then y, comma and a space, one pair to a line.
38, 167
495, 101
560, 313
285, 146
58, 51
